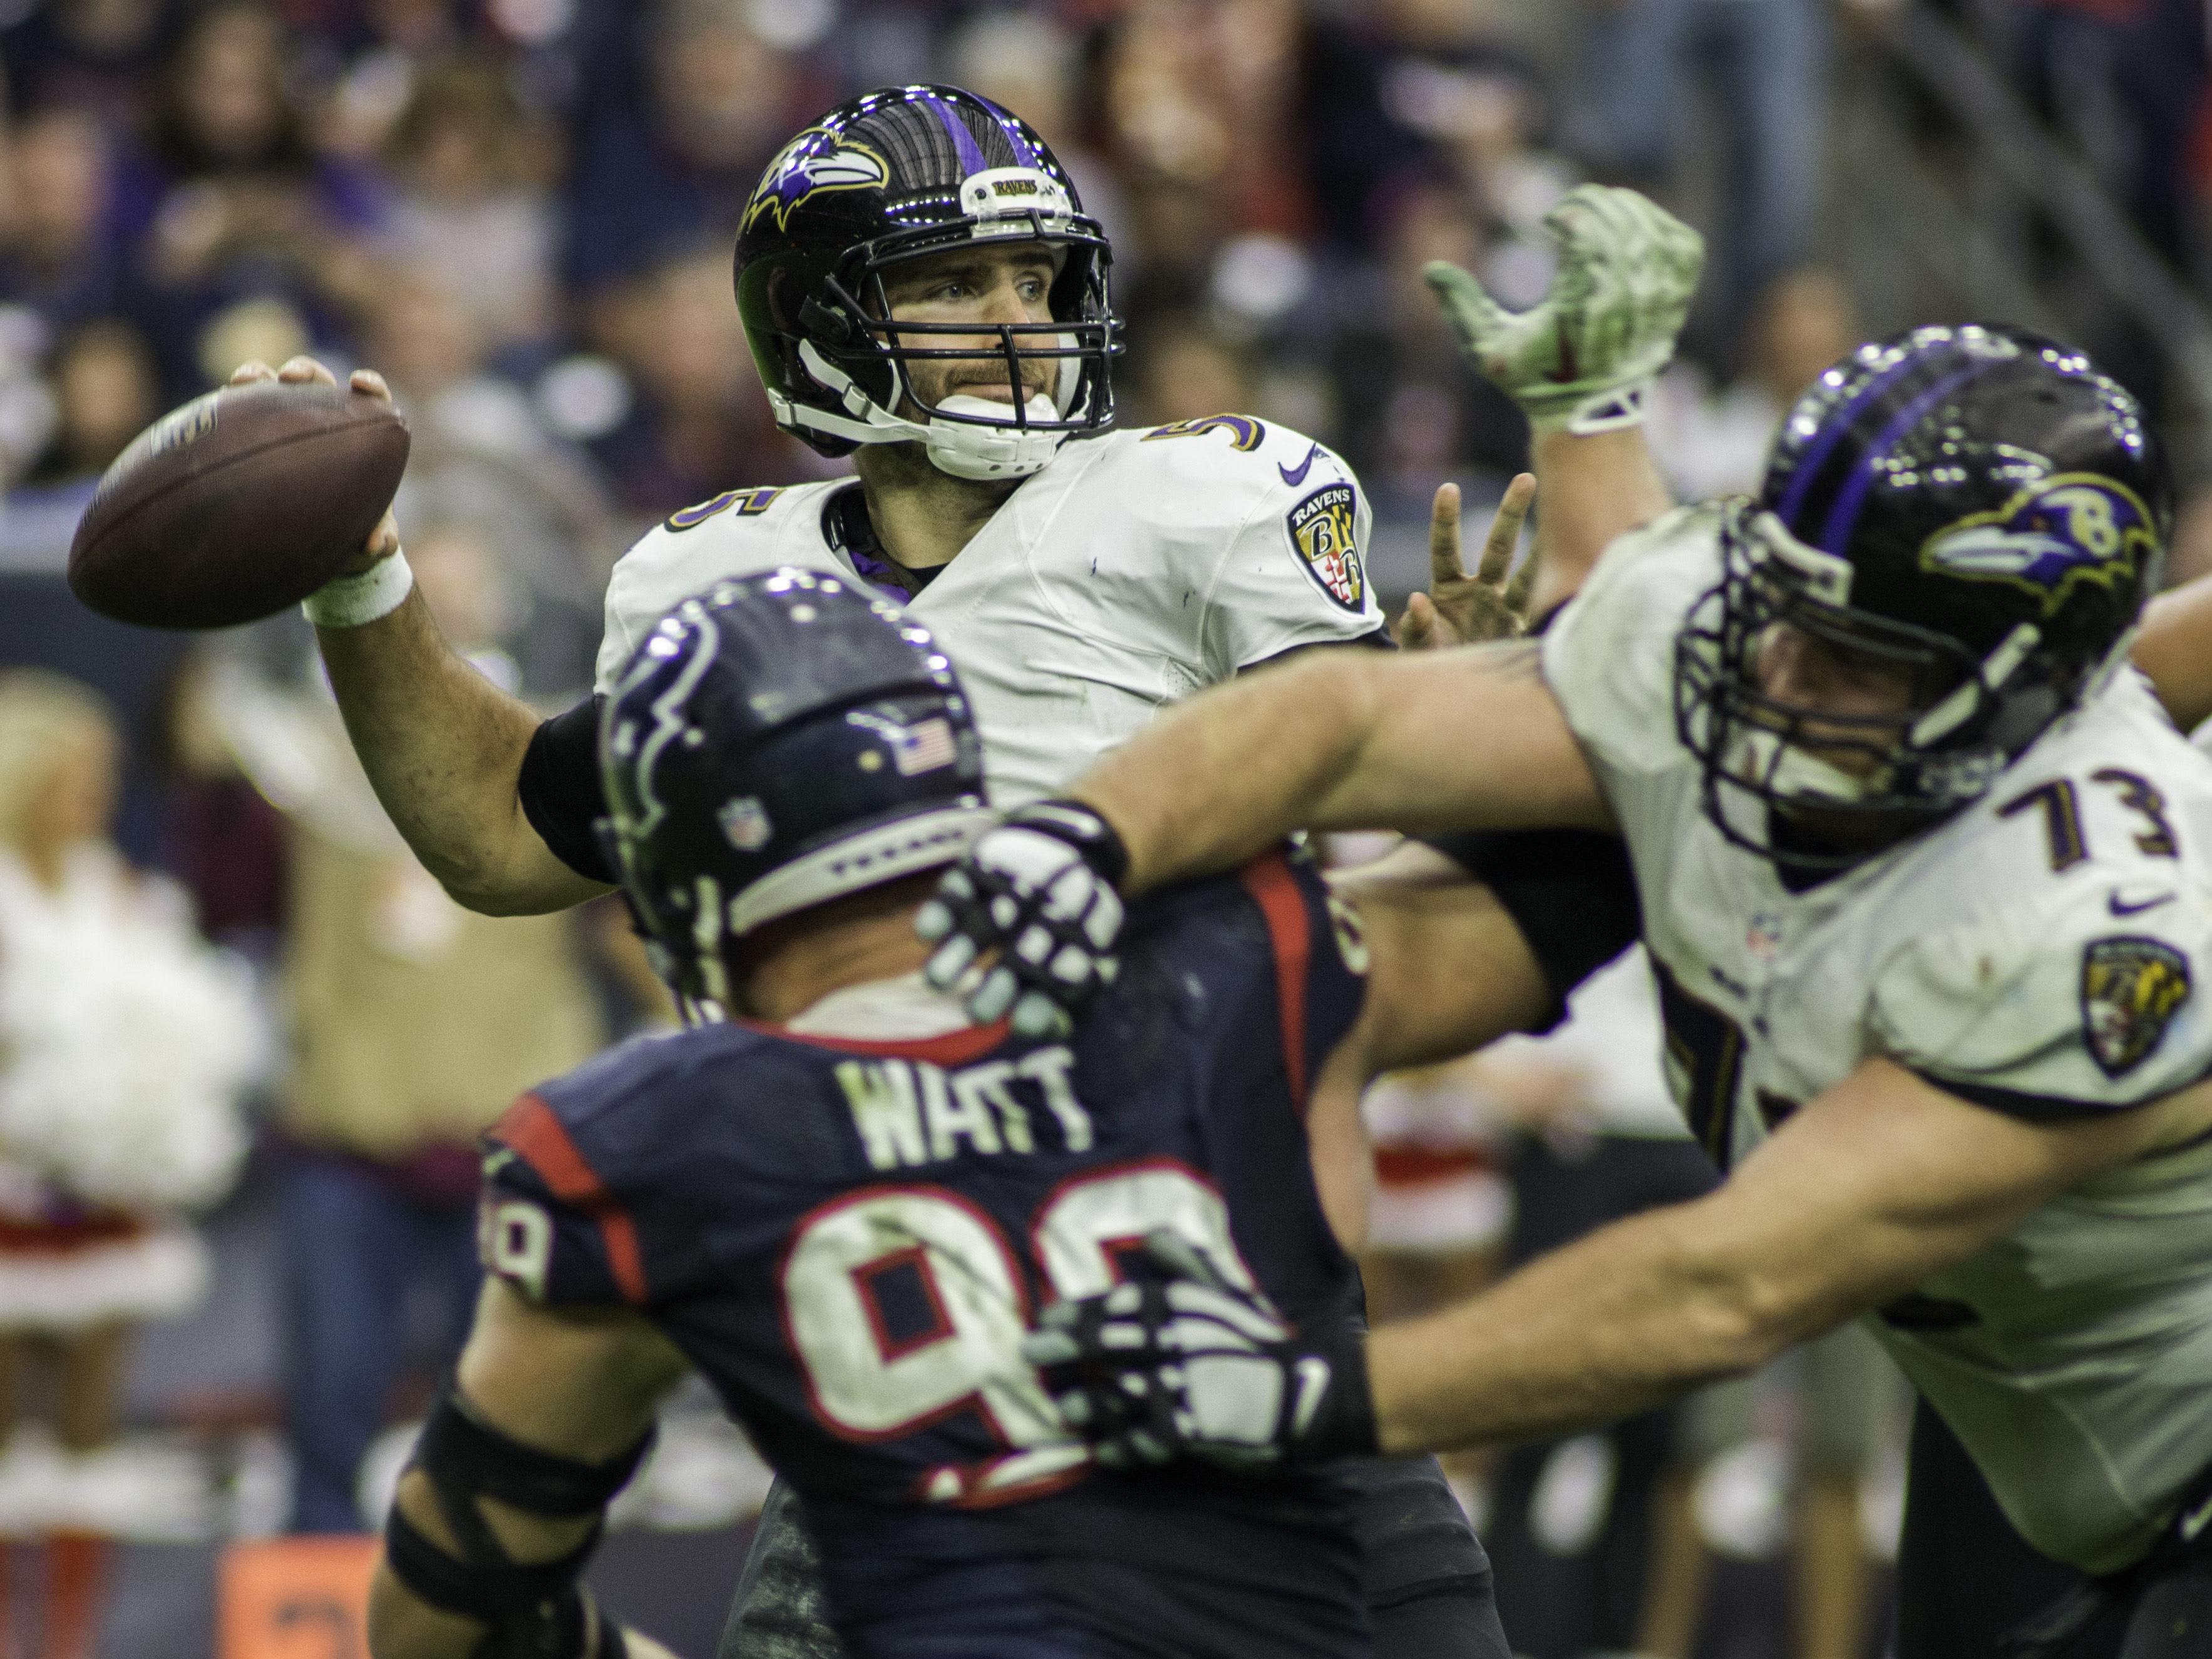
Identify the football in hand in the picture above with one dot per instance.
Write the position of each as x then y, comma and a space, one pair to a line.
238, 505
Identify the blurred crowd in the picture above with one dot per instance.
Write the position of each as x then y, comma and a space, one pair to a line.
522, 212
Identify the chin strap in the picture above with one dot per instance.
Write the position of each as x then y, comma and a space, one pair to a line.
958, 448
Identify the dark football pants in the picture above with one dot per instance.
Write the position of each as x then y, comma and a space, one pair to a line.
1428, 1581
1968, 1585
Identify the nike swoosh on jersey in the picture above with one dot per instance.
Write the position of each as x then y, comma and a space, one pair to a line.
2120, 907
1295, 476
1313, 1384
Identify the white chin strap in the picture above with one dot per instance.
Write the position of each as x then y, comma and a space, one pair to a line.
999, 450
1794, 774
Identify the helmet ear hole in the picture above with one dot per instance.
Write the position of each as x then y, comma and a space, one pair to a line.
825, 323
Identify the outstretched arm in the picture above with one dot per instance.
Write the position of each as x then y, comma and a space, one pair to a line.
1867, 1190
441, 745
2175, 650
1345, 741
1863, 1194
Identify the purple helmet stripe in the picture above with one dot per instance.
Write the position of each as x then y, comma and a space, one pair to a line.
964, 142
1843, 515
1024, 155
1837, 424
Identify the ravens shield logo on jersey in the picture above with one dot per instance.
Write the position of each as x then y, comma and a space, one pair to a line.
2130, 988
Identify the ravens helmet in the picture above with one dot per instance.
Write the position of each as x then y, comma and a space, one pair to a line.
895, 175
778, 741
1976, 509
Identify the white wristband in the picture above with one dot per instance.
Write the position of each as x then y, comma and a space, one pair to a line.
350, 601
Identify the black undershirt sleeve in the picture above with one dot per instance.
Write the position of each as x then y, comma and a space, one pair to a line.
1569, 892
560, 788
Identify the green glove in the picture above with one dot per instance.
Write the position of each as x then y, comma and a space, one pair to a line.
1582, 358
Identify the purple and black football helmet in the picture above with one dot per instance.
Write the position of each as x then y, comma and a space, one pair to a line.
898, 175
1977, 505
776, 742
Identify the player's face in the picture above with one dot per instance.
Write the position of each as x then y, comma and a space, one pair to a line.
1868, 698
980, 284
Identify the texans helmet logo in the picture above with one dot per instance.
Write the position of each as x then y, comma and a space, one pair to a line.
2049, 539
817, 160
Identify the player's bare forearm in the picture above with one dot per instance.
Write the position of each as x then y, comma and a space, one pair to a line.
443, 747
1590, 491
1464, 738
582, 1383
2175, 651
1862, 1194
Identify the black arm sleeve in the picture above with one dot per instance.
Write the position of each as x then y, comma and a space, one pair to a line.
560, 788
1569, 892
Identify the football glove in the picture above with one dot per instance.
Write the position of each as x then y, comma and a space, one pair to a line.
1039, 891
1582, 359
1190, 1365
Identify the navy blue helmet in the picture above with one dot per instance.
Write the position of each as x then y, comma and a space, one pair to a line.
778, 741
1977, 507
898, 175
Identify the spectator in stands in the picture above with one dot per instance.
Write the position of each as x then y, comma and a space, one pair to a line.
106, 392
1404, 90
1709, 442
63, 239
247, 210
674, 136
1200, 111
1765, 63
1412, 413
474, 207
101, 56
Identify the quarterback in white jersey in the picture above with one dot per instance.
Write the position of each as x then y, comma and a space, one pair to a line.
1131, 570
1925, 879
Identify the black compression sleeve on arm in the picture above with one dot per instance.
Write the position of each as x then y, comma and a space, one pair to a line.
1569, 892
560, 788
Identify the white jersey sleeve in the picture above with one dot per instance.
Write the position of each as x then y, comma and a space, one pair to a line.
731, 534
1280, 528
2086, 992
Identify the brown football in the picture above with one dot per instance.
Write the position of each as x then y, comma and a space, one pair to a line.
237, 505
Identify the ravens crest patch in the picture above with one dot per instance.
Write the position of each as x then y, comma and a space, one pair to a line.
1324, 535
2130, 988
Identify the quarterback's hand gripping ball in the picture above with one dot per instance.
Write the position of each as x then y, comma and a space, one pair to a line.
1190, 1365
1582, 358
1039, 891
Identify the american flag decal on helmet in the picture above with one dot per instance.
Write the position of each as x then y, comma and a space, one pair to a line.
922, 748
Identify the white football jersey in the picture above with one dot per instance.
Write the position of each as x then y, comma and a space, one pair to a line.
1133, 569
2039, 954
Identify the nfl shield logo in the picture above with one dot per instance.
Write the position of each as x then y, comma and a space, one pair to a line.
1322, 530
2130, 987
745, 822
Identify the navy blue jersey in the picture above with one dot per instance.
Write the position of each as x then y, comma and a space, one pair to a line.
848, 1239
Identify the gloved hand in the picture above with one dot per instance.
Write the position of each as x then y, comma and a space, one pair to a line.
1039, 890
1582, 358
1188, 1365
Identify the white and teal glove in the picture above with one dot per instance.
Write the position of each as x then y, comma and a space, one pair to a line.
1582, 358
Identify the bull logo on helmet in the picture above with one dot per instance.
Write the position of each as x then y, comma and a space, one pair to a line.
816, 161
2050, 538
